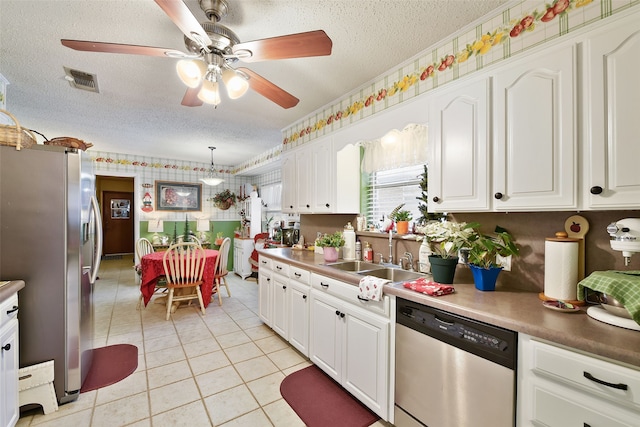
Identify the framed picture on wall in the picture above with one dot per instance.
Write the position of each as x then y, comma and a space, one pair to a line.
178, 196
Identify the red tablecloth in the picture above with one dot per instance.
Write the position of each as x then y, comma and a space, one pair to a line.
152, 268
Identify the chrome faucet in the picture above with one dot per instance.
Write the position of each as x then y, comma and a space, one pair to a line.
381, 258
409, 257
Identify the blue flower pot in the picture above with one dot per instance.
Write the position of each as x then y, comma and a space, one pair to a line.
485, 278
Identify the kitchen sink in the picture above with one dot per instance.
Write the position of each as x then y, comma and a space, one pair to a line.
355, 266
393, 274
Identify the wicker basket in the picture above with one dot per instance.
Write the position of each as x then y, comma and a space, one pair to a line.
15, 136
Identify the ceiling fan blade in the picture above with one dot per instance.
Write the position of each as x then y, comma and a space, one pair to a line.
191, 99
184, 19
89, 46
311, 43
270, 91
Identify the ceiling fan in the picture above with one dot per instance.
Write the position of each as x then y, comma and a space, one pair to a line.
214, 48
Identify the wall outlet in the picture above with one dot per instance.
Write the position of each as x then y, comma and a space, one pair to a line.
505, 262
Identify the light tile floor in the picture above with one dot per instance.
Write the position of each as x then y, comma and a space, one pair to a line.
221, 369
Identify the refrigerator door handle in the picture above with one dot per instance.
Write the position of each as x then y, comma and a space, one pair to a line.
98, 242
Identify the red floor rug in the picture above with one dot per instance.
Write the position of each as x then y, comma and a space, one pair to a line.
110, 364
320, 402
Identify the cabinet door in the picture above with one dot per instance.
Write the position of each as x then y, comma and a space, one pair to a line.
237, 257
289, 184
325, 337
304, 195
366, 367
280, 320
459, 168
535, 147
9, 363
323, 177
347, 175
612, 103
299, 316
265, 295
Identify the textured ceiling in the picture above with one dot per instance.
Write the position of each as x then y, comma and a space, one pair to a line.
138, 108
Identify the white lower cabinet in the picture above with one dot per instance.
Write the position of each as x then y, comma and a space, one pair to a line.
265, 286
559, 387
280, 318
351, 344
242, 249
9, 362
299, 302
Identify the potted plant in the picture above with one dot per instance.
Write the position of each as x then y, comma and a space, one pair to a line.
330, 244
483, 257
219, 238
446, 238
402, 219
224, 199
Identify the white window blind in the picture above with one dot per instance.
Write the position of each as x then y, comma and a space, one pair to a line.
388, 189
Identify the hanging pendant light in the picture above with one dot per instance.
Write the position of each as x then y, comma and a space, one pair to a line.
212, 179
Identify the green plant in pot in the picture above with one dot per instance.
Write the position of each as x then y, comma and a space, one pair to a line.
330, 244
402, 219
446, 238
483, 257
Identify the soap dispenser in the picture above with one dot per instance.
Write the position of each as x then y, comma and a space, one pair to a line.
349, 251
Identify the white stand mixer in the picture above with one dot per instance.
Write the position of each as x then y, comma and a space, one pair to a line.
625, 237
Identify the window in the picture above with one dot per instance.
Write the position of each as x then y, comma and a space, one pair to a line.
388, 189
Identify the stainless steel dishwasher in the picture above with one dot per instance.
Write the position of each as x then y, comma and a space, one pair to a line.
452, 371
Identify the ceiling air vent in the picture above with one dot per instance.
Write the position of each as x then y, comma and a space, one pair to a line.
81, 80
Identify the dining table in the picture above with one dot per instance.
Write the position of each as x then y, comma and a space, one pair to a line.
152, 267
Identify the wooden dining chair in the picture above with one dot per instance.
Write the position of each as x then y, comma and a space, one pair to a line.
144, 247
184, 266
220, 276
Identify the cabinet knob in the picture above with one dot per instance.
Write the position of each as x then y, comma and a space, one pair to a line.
324, 285
268, 279
308, 206
337, 312
436, 199
284, 287
498, 195
6, 347
304, 297
327, 205
341, 314
596, 189
290, 206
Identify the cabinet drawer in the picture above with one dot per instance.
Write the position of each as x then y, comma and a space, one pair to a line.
281, 268
300, 275
558, 407
617, 383
349, 293
266, 262
8, 309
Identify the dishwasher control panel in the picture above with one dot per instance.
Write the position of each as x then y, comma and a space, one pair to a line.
488, 341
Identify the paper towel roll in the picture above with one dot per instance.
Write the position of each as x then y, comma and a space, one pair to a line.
561, 269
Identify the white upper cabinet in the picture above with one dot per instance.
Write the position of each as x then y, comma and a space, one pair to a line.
535, 151
611, 123
289, 185
459, 136
318, 179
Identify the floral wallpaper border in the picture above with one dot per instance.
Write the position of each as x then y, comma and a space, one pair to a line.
515, 29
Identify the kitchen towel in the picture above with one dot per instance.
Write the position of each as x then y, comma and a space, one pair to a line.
371, 287
622, 285
429, 287
561, 268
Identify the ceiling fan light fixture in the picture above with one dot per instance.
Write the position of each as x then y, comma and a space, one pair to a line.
209, 92
212, 179
234, 82
191, 72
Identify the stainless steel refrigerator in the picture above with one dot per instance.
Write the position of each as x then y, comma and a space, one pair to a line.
51, 237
